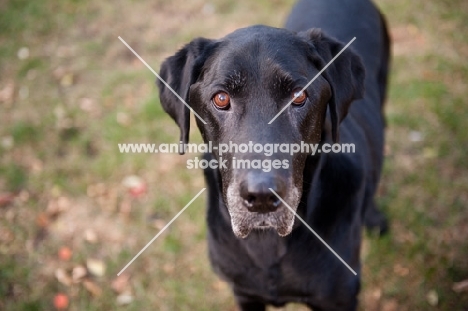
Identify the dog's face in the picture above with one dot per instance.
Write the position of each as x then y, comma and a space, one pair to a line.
237, 85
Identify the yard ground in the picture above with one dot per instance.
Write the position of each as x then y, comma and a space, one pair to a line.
70, 91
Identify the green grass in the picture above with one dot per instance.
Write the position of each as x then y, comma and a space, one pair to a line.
63, 148
14, 176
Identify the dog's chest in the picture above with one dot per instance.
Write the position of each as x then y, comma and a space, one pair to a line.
274, 271
267, 266
267, 255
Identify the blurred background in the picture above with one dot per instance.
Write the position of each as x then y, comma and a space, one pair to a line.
74, 211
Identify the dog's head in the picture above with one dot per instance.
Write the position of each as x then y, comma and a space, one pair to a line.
237, 85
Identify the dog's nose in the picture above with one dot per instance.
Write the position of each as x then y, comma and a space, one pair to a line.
257, 197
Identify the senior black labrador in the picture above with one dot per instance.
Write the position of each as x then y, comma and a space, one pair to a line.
237, 85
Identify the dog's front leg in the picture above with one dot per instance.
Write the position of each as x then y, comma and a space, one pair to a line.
249, 304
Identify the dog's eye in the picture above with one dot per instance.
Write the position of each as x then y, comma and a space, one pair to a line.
221, 100
299, 97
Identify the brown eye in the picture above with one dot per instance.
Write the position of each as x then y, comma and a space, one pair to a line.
299, 96
222, 100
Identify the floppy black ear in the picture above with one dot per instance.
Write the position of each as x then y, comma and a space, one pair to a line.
180, 71
345, 75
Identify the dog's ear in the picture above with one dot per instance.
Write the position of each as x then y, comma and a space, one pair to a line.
345, 75
180, 71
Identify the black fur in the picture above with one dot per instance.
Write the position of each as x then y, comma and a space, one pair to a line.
259, 67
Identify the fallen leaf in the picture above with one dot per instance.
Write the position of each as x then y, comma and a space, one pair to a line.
460, 286
67, 80
89, 105
55, 191
124, 299
415, 136
123, 119
137, 192
135, 185
429, 153
6, 199
432, 298
57, 206
90, 236
7, 142
92, 287
377, 293
7, 93
65, 253
63, 277
61, 301
132, 181
96, 267
121, 283
42, 220
86, 104
78, 273
23, 53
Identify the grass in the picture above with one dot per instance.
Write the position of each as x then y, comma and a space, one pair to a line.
81, 92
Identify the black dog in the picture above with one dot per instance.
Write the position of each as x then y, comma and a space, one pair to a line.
237, 84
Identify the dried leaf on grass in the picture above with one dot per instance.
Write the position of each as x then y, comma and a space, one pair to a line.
124, 299
61, 301
42, 220
96, 267
57, 206
65, 253
90, 236
121, 283
432, 298
92, 287
78, 273
63, 277
461, 286
7, 94
6, 199
135, 185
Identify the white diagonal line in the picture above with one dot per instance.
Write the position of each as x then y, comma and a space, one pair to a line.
316, 76
161, 79
315, 233
160, 232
